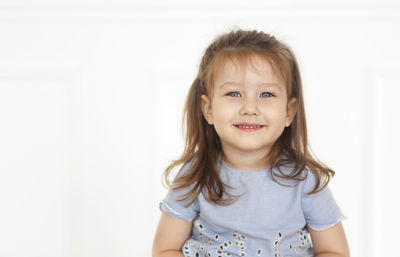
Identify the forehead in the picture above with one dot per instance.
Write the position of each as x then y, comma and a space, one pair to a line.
234, 71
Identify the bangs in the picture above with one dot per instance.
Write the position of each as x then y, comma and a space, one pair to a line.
243, 57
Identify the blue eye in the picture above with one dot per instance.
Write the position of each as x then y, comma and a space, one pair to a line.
234, 94
266, 94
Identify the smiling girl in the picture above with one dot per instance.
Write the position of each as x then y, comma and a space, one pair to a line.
248, 185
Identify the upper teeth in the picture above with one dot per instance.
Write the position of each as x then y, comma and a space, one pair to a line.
241, 126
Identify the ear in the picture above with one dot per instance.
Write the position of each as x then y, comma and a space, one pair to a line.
291, 111
206, 108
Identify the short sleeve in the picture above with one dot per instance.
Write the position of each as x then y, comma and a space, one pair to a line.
177, 209
320, 209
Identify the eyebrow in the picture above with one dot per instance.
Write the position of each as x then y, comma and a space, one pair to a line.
269, 84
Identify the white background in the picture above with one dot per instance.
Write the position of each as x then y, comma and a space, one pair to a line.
91, 98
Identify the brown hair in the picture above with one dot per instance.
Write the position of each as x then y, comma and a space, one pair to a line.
202, 144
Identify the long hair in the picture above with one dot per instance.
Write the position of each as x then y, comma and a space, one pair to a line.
202, 144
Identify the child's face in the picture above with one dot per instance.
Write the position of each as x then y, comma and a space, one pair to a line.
255, 97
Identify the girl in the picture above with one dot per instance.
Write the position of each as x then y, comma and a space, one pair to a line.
248, 185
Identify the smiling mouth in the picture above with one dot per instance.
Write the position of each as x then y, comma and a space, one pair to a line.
249, 127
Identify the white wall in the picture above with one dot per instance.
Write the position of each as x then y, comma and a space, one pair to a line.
91, 96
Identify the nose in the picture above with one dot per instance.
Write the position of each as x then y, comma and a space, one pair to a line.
249, 107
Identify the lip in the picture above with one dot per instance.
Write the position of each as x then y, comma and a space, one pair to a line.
248, 124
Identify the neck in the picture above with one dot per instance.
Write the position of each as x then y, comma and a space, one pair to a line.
246, 162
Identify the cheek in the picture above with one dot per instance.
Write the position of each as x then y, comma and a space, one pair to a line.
274, 113
224, 112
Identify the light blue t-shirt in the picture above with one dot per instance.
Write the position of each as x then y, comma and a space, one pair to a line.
267, 220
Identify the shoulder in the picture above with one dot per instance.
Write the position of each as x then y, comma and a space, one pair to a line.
185, 170
316, 180
291, 173
288, 173
185, 182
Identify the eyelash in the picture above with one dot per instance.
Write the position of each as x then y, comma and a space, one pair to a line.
229, 94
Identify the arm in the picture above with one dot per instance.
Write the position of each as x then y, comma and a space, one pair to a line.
170, 236
330, 242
